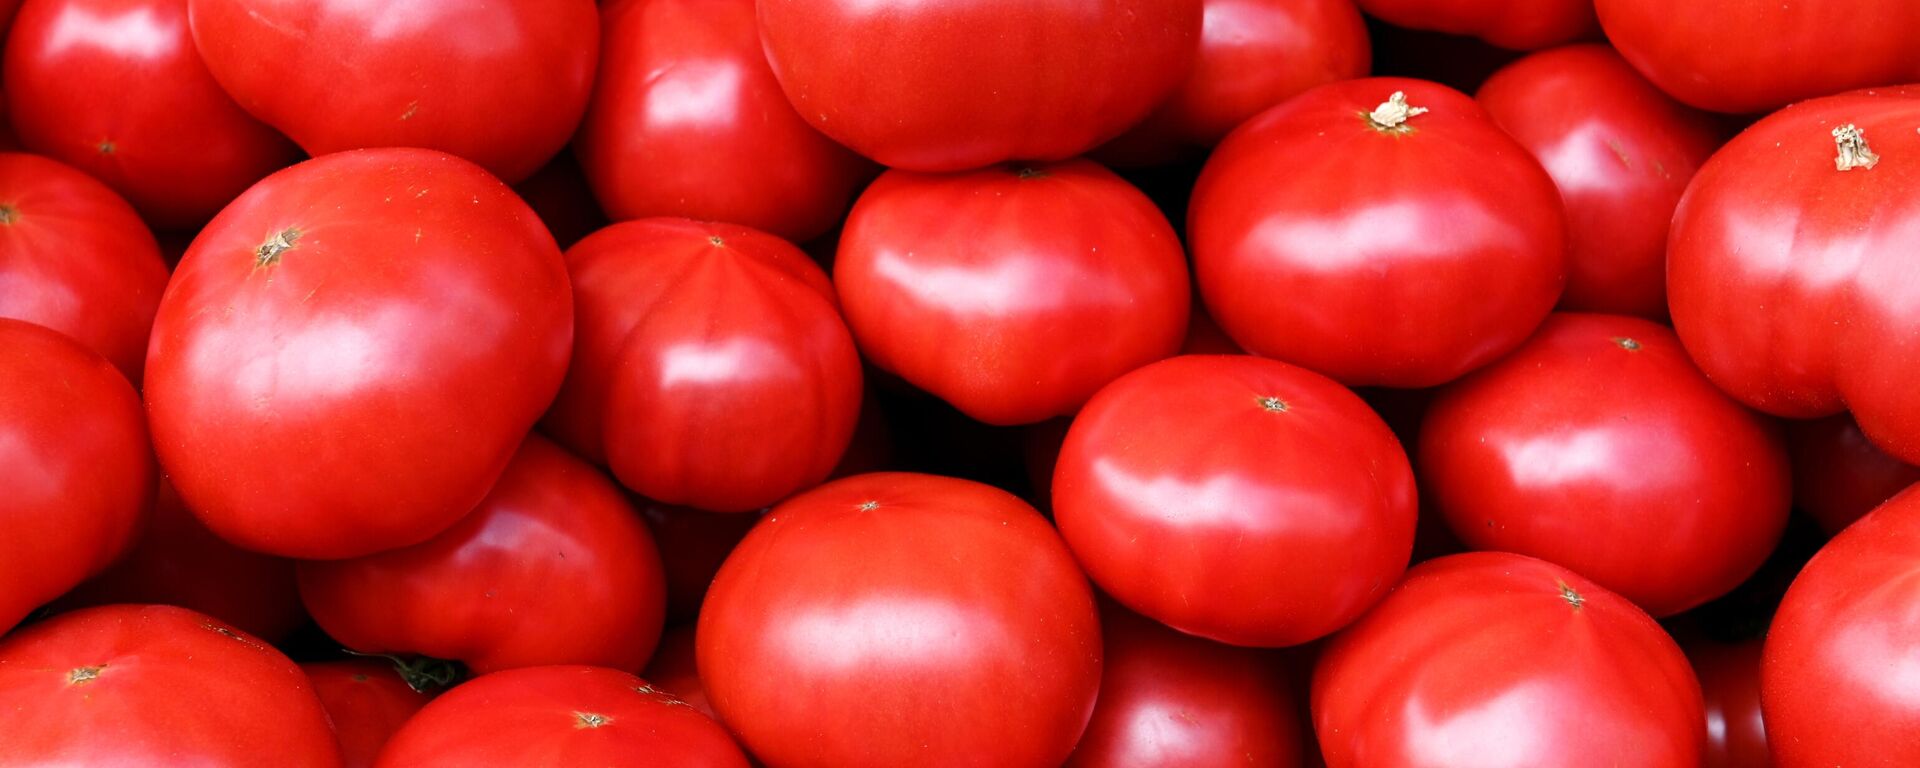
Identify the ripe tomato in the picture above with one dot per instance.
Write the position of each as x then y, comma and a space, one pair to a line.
949, 606
398, 293
560, 716
554, 567
74, 462
1838, 476
1373, 242
1514, 24
711, 369
1730, 682
75, 258
116, 88
502, 84
155, 685
1496, 660
1620, 151
672, 670
693, 544
952, 86
367, 701
1238, 499
1012, 294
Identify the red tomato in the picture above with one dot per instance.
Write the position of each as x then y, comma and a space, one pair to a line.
1522, 25
693, 544
367, 701
947, 609
948, 86
672, 670
711, 369
1730, 682
116, 88
1012, 294
397, 293
1238, 499
1838, 476
1621, 153
554, 567
75, 467
687, 120
1410, 247
560, 716
155, 685
500, 83
1838, 677
1598, 446
75, 258
1496, 660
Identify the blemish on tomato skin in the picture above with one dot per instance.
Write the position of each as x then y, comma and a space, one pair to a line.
84, 675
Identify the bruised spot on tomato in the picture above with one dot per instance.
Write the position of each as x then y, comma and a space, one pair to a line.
268, 254
585, 720
1273, 404
1572, 596
84, 675
8, 215
1627, 343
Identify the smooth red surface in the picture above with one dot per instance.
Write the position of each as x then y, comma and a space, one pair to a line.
1621, 153
1838, 476
1513, 24
554, 567
155, 685
420, 302
116, 88
367, 702
1012, 294
948, 86
1730, 682
693, 544
1190, 496
673, 671
1403, 259
902, 619
1598, 446
75, 465
1495, 660
502, 83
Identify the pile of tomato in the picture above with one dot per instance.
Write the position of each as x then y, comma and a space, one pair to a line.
1012, 383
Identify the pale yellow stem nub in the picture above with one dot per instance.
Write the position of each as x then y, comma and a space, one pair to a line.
1392, 114
1852, 145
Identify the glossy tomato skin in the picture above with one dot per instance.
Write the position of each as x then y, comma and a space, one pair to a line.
116, 88
550, 717
554, 567
1012, 294
1239, 499
1513, 24
957, 85
1729, 676
688, 120
949, 605
75, 463
502, 84
155, 685
363, 293
1407, 256
711, 366
75, 257
673, 670
1838, 476
367, 701
1621, 153
1496, 660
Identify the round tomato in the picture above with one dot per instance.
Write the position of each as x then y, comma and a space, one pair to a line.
1838, 476
949, 606
367, 700
1496, 660
672, 670
1730, 682
693, 544
397, 293
1380, 231
1513, 24
1012, 294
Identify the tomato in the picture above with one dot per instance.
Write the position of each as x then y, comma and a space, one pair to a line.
949, 607
1598, 446
687, 120
1411, 247
672, 670
1838, 476
711, 369
502, 84
116, 88
155, 685
554, 567
1243, 500
560, 716
74, 463
1496, 660
693, 544
950, 86
1730, 682
1012, 294
75, 258
1621, 153
397, 293
367, 701
1836, 678
1513, 24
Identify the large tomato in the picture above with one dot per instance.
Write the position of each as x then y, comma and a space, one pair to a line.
401, 294
1730, 684
155, 685
1496, 660
1514, 24
959, 84
904, 620
1011, 293
1620, 151
1838, 476
501, 83
1375, 239
367, 700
